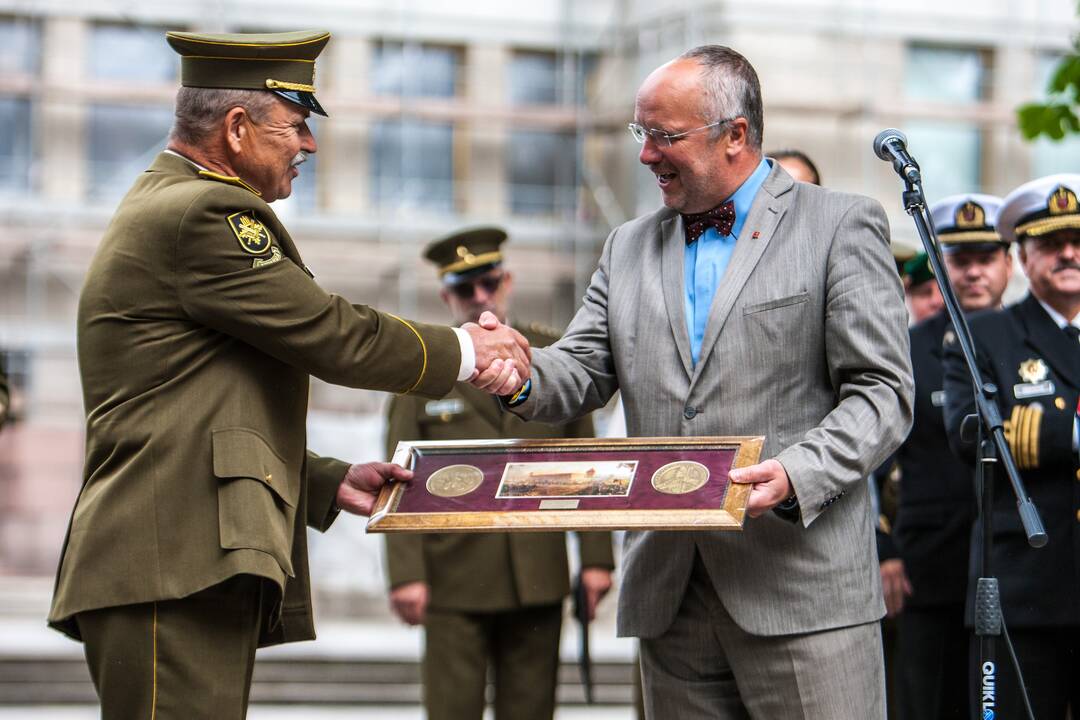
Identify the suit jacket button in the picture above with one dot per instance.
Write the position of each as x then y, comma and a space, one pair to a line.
689, 412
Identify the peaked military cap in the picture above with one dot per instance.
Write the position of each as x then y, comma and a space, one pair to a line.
1040, 207
283, 63
916, 271
466, 253
967, 222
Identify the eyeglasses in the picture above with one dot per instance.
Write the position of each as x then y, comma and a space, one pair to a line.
467, 290
640, 132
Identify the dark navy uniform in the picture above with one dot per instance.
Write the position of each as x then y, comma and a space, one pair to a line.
1036, 367
932, 535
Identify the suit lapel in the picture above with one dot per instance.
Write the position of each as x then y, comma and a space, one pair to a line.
768, 207
672, 275
1050, 341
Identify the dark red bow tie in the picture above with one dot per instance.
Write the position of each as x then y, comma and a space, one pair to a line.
721, 217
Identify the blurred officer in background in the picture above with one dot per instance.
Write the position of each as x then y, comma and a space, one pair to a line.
485, 599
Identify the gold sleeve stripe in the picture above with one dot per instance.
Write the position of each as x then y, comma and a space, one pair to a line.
423, 349
1036, 428
1025, 437
1012, 432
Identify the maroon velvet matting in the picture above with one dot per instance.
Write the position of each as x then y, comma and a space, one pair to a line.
643, 496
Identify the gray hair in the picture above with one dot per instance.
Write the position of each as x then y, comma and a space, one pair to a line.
199, 111
731, 89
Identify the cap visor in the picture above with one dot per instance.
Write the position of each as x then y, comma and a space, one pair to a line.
304, 100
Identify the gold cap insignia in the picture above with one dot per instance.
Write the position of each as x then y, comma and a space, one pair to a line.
1062, 201
253, 236
970, 215
1033, 370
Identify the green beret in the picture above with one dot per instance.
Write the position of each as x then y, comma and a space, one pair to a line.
916, 271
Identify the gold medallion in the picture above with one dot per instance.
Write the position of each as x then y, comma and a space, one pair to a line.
679, 478
1033, 370
454, 480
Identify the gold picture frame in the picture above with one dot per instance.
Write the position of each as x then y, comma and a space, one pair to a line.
568, 484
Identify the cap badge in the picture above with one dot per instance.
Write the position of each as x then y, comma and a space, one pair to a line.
1033, 370
464, 254
970, 215
253, 236
1062, 201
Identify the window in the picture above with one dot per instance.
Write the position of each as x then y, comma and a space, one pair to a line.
950, 152
134, 54
20, 42
15, 145
414, 70
123, 141
533, 79
412, 164
542, 172
546, 78
1049, 157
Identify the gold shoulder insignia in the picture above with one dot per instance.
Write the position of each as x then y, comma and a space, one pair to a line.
253, 236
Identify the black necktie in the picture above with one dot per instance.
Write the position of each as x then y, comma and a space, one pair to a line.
1073, 332
721, 217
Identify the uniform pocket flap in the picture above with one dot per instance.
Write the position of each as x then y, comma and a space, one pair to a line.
777, 303
240, 452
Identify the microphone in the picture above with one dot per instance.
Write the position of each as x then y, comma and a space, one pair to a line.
891, 146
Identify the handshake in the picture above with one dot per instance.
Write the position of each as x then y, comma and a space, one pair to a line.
503, 356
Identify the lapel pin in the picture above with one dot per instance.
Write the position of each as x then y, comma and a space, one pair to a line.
756, 235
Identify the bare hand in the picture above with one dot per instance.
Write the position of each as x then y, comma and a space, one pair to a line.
360, 488
895, 585
772, 486
597, 582
409, 602
492, 340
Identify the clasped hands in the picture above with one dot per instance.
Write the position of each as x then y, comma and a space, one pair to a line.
503, 356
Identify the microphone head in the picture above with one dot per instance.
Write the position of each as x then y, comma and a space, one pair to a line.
883, 138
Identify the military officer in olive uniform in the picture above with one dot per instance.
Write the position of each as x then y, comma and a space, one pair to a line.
198, 328
932, 528
1031, 353
491, 599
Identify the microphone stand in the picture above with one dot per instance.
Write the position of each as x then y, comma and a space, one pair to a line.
993, 450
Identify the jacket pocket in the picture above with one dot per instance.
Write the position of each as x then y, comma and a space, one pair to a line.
256, 497
777, 303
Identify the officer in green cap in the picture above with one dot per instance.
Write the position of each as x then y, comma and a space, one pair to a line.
920, 291
198, 328
485, 599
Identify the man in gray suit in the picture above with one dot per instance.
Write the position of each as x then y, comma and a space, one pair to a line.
749, 305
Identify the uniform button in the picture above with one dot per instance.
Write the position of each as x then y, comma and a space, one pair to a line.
1078, 516
1078, 474
689, 412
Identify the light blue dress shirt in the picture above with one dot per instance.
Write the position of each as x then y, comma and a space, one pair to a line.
705, 261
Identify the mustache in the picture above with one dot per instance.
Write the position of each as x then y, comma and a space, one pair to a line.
1066, 266
300, 157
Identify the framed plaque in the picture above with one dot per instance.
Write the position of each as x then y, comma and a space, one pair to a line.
559, 484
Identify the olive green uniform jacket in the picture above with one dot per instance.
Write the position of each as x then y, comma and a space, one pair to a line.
198, 328
484, 572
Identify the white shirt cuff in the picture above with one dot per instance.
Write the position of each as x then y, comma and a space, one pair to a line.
468, 355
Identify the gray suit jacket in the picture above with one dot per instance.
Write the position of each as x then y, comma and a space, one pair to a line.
806, 344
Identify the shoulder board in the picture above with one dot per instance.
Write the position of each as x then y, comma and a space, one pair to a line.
229, 179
